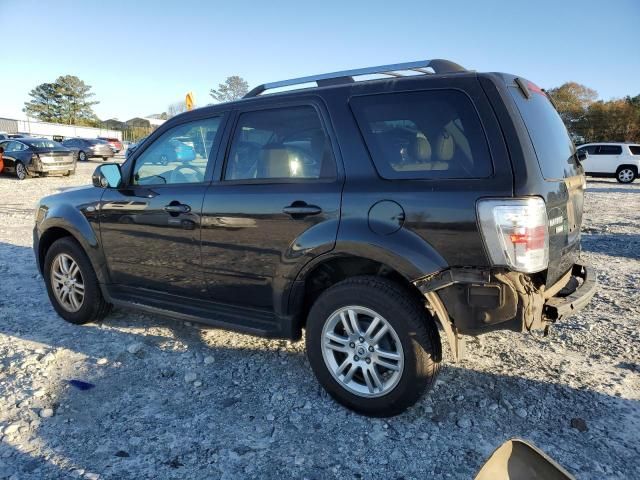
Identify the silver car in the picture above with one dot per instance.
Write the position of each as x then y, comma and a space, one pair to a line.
86, 148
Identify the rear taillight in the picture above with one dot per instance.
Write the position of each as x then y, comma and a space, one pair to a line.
516, 232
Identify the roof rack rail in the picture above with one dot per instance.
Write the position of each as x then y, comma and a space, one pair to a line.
346, 76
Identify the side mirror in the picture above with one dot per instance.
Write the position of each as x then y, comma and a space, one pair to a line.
107, 175
581, 155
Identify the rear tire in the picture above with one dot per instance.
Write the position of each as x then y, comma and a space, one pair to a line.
21, 171
82, 157
411, 345
626, 174
92, 306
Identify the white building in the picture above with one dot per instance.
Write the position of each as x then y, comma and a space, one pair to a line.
51, 130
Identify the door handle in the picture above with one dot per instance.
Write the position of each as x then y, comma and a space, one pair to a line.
301, 209
175, 207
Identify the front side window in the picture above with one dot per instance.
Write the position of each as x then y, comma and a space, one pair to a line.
180, 155
280, 144
591, 149
423, 135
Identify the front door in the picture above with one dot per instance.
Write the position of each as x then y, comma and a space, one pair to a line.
276, 206
13, 152
150, 227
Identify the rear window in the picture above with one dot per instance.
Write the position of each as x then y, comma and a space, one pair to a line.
43, 144
549, 136
423, 135
635, 149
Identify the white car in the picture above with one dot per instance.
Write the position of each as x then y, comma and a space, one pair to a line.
620, 160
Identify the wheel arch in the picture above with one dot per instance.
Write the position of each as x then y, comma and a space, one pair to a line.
68, 222
333, 267
628, 165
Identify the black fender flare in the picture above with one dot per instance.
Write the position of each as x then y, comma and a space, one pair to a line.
404, 252
70, 219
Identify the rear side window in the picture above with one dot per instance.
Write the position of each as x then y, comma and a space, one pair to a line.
280, 144
609, 150
423, 135
635, 149
549, 136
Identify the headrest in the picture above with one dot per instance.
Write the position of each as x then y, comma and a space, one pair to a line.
274, 162
444, 147
420, 148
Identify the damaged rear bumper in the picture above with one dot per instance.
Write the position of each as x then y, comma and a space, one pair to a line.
569, 301
477, 300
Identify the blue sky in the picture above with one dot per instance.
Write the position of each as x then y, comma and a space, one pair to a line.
139, 56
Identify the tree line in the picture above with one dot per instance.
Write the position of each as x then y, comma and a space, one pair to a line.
69, 100
589, 119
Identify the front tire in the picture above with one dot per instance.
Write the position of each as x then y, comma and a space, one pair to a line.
626, 175
72, 284
21, 171
372, 345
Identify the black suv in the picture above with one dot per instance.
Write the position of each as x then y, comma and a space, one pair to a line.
368, 213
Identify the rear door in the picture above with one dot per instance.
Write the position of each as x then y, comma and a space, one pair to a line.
564, 182
276, 204
15, 151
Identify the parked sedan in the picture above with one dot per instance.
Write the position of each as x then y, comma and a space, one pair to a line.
86, 148
115, 144
31, 156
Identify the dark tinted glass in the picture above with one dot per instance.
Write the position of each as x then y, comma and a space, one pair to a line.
635, 149
591, 150
429, 134
610, 150
548, 134
284, 143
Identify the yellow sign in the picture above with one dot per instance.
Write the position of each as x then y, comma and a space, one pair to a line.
189, 100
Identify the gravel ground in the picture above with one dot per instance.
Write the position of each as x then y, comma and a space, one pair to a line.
173, 400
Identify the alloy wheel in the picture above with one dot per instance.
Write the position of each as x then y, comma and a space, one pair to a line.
362, 351
21, 172
67, 282
626, 175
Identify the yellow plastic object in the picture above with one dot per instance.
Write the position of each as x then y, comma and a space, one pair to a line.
189, 101
516, 459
